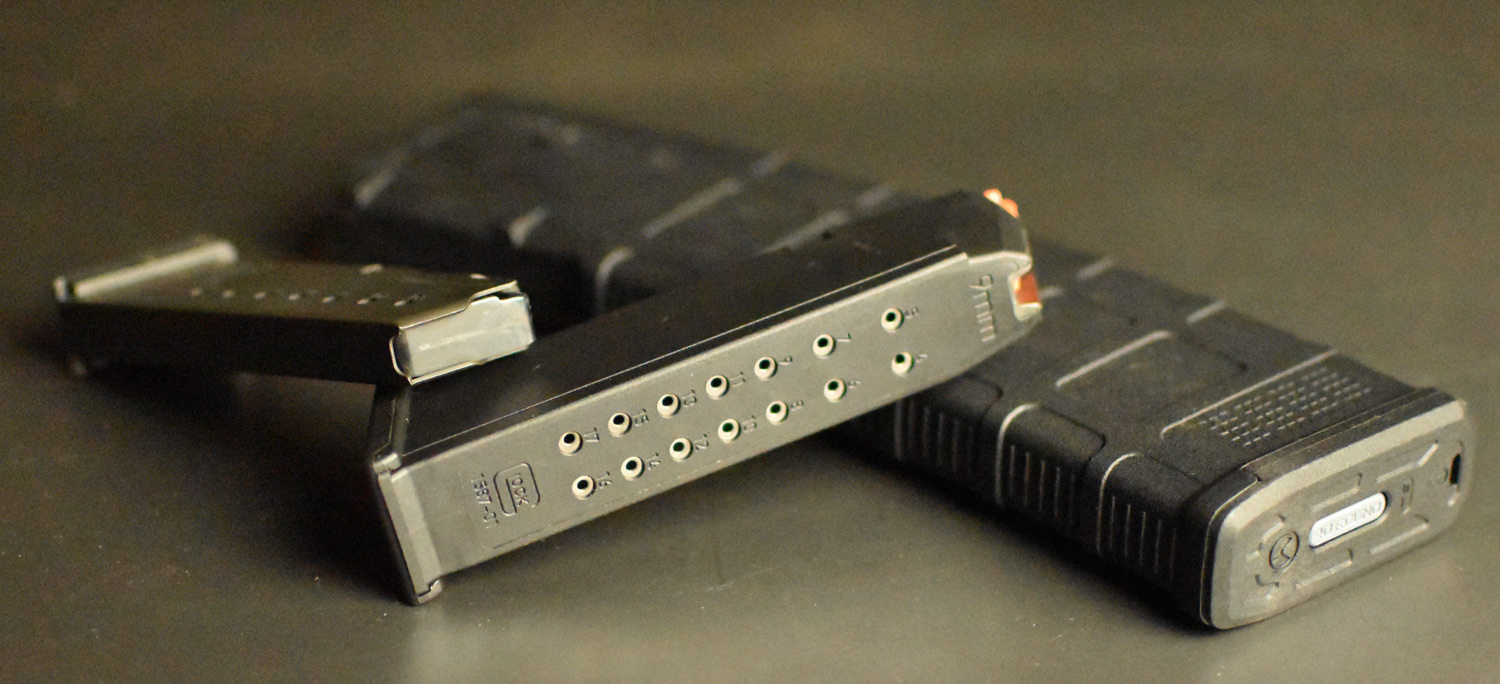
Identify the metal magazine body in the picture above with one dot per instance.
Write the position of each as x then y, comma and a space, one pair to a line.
1228, 462
661, 392
198, 304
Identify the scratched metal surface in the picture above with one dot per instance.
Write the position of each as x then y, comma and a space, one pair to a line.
1329, 168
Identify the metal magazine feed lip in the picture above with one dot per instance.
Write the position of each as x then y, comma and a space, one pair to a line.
194, 254
494, 324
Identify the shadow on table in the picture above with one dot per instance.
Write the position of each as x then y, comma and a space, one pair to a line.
293, 451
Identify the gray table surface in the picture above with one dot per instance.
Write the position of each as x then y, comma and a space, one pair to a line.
1329, 167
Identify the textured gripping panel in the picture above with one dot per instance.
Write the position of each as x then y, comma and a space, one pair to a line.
1042, 464
1306, 398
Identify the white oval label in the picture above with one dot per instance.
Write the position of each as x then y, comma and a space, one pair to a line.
1347, 519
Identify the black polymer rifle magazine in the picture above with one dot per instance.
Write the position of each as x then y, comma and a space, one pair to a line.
1237, 467
655, 394
1233, 465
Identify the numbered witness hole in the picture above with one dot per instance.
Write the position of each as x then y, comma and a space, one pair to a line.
834, 390
776, 412
569, 443
716, 386
729, 430
823, 346
891, 320
583, 487
632, 467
